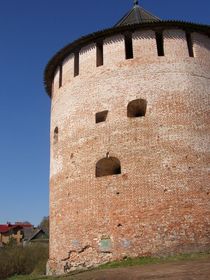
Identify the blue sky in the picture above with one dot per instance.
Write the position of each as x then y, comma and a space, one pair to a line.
31, 31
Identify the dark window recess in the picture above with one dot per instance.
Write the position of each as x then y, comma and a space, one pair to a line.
160, 43
55, 135
52, 86
101, 116
189, 44
128, 46
137, 108
108, 166
76, 64
99, 54
60, 75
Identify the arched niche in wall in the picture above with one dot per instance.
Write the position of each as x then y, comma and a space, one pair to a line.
137, 108
108, 166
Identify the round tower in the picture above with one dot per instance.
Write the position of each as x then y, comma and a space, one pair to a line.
130, 142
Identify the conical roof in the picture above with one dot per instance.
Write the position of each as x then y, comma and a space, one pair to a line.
137, 15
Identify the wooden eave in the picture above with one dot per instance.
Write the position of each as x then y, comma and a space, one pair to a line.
57, 59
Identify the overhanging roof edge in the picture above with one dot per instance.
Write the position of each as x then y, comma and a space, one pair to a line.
70, 48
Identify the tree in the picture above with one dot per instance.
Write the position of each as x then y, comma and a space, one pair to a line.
45, 224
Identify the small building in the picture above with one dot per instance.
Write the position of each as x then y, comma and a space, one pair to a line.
39, 235
15, 232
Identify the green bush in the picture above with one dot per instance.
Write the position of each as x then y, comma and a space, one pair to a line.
16, 260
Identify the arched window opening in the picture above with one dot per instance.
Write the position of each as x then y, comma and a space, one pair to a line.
137, 108
128, 46
101, 116
56, 135
160, 43
108, 166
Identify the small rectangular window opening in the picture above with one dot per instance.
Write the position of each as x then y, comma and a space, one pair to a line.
128, 46
60, 75
101, 116
189, 44
52, 86
160, 43
99, 54
76, 64
56, 135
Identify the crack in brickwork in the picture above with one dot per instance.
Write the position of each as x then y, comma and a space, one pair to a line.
159, 204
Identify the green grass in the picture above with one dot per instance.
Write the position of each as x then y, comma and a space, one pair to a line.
154, 260
28, 277
126, 263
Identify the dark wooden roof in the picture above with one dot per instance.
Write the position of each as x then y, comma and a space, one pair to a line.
36, 232
28, 233
137, 15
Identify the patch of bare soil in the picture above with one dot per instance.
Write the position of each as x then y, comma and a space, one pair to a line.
185, 270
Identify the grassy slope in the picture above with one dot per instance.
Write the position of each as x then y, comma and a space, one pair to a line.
126, 263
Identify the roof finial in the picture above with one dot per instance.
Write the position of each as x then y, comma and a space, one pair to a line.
135, 2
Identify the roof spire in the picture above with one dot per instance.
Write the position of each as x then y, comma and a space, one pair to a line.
137, 15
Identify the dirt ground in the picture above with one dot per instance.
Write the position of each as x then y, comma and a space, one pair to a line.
185, 270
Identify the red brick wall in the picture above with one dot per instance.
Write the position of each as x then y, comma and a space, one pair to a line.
68, 70
160, 204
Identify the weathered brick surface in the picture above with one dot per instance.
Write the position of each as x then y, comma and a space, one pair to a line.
201, 46
87, 60
114, 56
144, 46
56, 81
160, 204
180, 50
68, 70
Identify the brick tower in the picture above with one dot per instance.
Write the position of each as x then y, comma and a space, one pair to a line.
130, 142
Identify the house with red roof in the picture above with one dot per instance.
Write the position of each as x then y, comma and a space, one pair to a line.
13, 231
